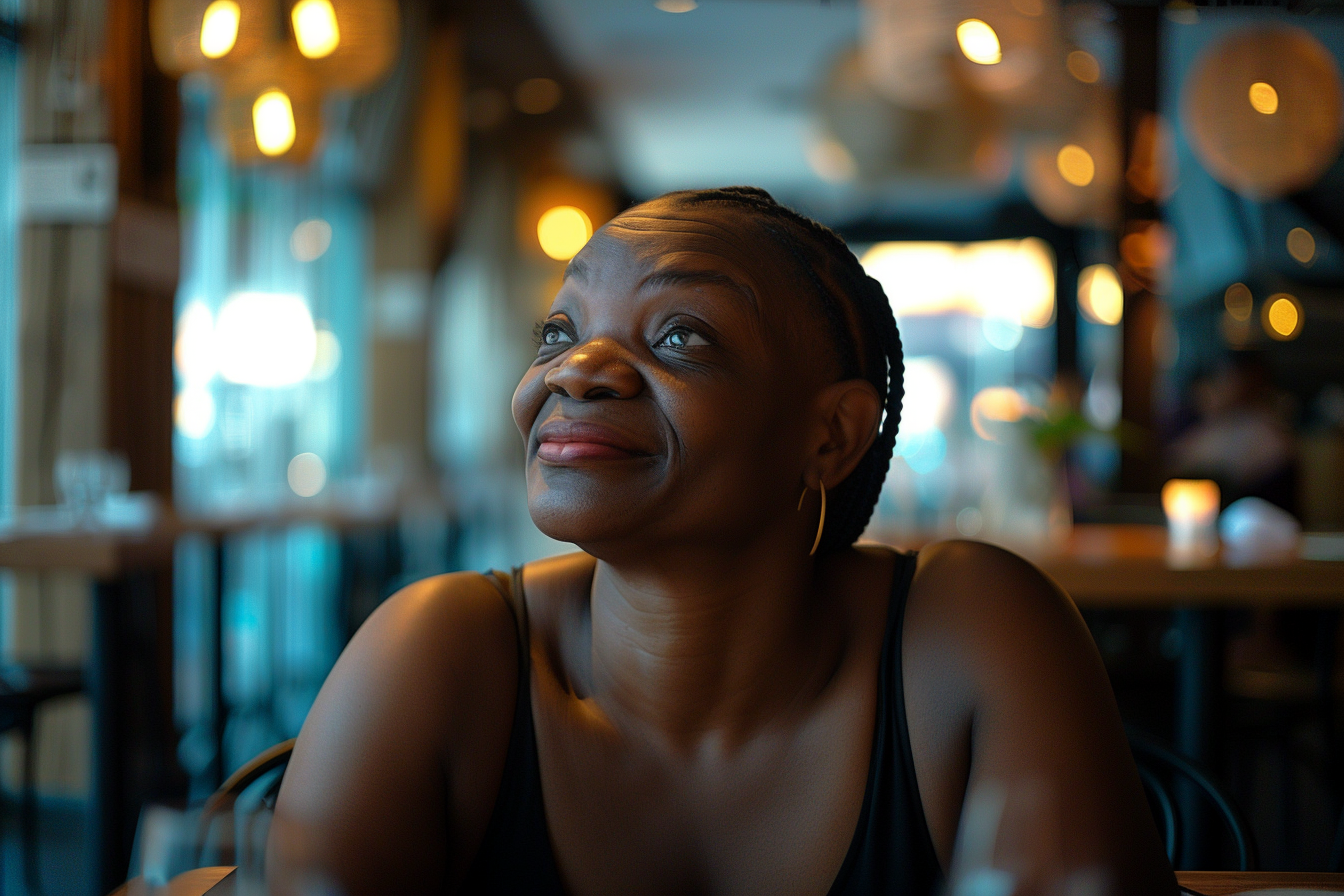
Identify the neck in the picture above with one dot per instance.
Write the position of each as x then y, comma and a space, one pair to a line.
702, 644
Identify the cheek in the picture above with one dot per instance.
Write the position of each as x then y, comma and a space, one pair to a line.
528, 400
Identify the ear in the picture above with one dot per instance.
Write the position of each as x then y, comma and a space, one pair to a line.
851, 411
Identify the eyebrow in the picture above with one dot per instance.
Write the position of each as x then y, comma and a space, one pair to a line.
695, 277
576, 268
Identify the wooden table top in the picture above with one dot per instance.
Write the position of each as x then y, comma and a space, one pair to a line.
1223, 883
104, 552
1127, 566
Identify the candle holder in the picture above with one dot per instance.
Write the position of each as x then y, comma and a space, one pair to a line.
1191, 506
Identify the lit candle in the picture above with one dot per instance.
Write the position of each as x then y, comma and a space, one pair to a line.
1191, 506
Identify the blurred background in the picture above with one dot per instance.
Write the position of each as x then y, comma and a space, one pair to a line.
268, 273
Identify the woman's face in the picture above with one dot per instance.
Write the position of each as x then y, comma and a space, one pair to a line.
670, 400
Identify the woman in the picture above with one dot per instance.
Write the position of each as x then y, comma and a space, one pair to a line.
722, 693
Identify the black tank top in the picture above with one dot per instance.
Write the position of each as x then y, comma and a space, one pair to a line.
891, 853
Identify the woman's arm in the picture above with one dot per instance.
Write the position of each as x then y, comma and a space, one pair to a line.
1015, 732
396, 769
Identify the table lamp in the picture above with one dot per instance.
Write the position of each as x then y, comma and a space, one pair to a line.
1191, 506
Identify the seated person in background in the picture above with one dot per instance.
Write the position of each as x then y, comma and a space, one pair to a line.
722, 693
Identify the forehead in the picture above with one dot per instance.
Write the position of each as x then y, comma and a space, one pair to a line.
662, 238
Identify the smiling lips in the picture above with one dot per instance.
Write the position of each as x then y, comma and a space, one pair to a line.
569, 441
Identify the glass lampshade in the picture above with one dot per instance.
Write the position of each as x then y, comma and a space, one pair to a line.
355, 43
270, 109
189, 35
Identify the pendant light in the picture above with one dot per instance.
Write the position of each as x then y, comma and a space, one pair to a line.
349, 44
1073, 176
189, 35
959, 139
270, 109
1264, 110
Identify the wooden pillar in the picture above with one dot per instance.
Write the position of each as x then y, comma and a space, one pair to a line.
1139, 28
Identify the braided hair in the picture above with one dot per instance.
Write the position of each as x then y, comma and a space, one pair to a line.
863, 331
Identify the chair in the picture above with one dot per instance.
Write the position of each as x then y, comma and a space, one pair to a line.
1159, 764
272, 762
23, 688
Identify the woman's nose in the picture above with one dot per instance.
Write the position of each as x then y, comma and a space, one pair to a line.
597, 369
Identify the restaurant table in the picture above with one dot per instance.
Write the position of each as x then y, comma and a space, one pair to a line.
1127, 567
1223, 883
48, 539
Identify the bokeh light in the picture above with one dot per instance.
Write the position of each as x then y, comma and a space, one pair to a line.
1264, 98
310, 240
562, 231
307, 474
273, 123
978, 42
1083, 66
1100, 295
194, 412
219, 28
1238, 301
1282, 316
675, 6
265, 339
315, 28
1301, 245
1075, 165
996, 404
194, 347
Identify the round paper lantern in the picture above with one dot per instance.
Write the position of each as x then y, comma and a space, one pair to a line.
349, 44
188, 35
962, 139
270, 109
1074, 177
1264, 110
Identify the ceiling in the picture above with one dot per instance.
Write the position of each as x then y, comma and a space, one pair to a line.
721, 95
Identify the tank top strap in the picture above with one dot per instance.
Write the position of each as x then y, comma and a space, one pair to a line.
892, 851
515, 855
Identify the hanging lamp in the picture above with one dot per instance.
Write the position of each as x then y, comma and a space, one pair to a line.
270, 109
190, 35
1264, 110
349, 44
1073, 175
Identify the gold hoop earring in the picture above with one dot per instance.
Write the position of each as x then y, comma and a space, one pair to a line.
821, 523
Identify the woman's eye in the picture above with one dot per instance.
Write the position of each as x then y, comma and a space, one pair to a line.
682, 337
551, 334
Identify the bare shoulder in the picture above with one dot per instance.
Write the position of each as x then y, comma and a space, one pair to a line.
962, 575
435, 641
402, 752
1004, 687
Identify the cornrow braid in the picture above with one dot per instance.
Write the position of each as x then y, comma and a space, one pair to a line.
863, 330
